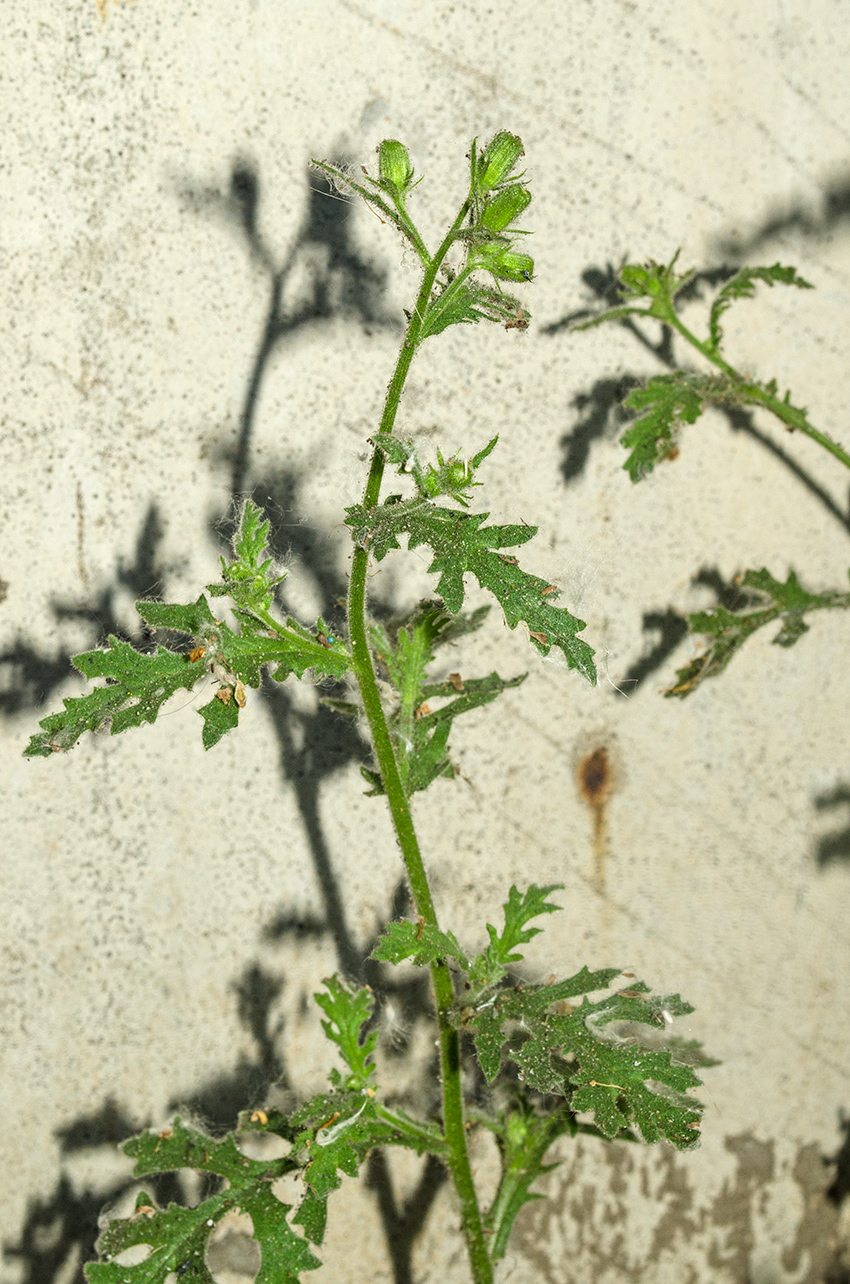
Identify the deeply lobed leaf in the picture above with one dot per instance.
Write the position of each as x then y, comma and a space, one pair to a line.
248, 577
729, 630
419, 732
621, 1080
667, 402
423, 944
519, 909
466, 300
178, 1236
348, 1011
139, 683
460, 544
742, 286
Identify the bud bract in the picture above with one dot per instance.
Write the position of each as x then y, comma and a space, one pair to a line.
498, 161
505, 207
394, 168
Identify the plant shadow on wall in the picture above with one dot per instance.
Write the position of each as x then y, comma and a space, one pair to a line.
648, 412
312, 748
629, 404
604, 412
60, 1229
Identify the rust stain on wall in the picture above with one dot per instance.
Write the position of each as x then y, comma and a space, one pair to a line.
596, 779
103, 6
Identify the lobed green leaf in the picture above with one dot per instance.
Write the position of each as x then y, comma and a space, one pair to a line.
667, 402
743, 286
466, 300
622, 1079
422, 943
139, 683
419, 733
178, 1236
248, 577
519, 909
461, 544
729, 630
349, 1012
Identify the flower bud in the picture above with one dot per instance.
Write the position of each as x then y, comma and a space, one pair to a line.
508, 265
394, 168
505, 207
640, 281
498, 160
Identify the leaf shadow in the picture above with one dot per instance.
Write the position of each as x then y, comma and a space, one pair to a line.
60, 1228
30, 674
834, 847
601, 414
796, 218
671, 625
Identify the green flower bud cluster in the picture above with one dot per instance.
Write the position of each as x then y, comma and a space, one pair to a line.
499, 199
641, 281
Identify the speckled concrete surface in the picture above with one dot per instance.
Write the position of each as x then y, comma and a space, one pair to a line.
156, 899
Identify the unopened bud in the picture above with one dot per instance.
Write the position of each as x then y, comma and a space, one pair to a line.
640, 281
394, 167
498, 160
506, 264
505, 207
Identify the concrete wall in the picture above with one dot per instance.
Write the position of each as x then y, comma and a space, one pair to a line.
166, 912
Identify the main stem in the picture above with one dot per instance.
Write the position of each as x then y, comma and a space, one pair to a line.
453, 1116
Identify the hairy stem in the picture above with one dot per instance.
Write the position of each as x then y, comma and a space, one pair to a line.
457, 1157
791, 416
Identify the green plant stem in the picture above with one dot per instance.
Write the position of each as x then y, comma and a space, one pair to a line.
521, 1170
425, 1135
791, 416
405, 356
453, 1117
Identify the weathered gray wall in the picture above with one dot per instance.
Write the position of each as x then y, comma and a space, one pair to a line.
141, 876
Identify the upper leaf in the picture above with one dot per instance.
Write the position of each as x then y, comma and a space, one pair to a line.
465, 299
657, 283
248, 578
729, 630
348, 1012
425, 943
453, 477
653, 280
743, 286
461, 543
519, 909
